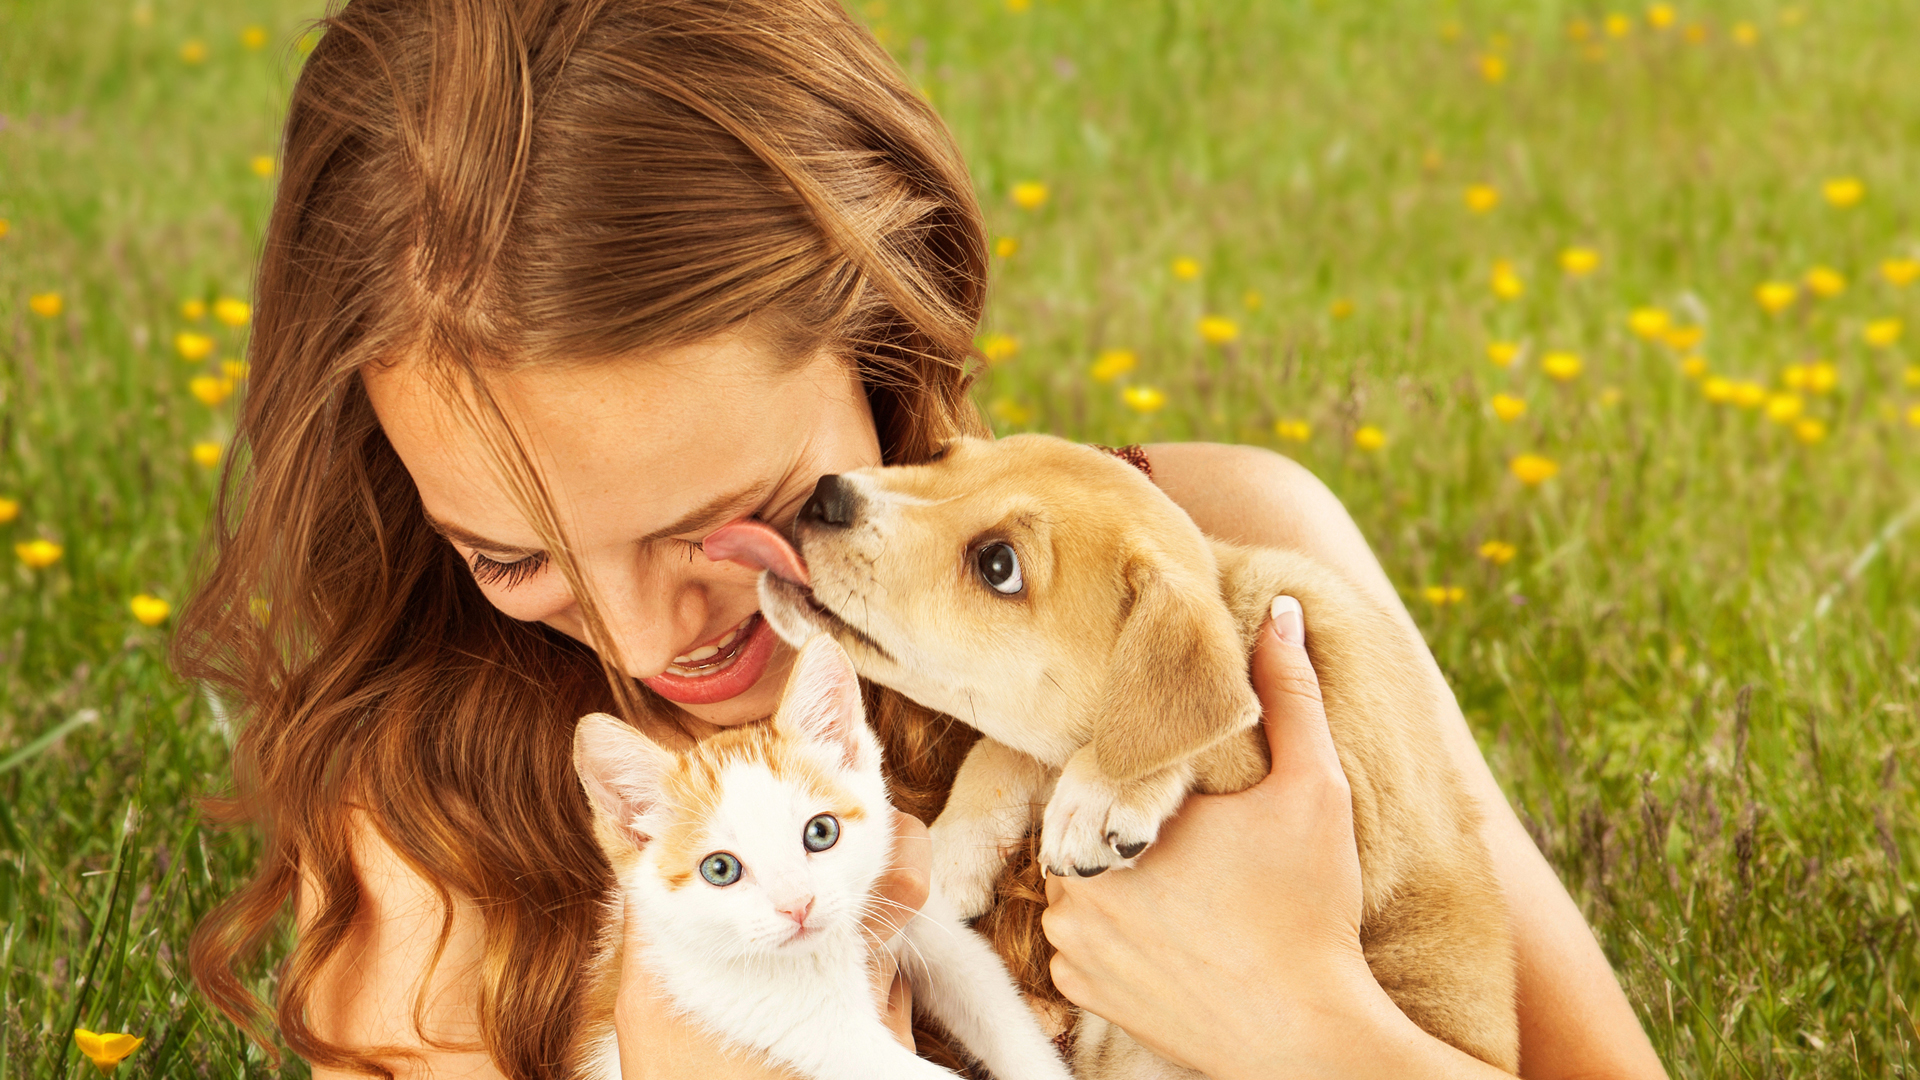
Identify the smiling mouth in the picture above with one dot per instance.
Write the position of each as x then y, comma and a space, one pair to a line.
802, 596
716, 655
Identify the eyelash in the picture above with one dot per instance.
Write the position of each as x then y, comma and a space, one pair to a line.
508, 574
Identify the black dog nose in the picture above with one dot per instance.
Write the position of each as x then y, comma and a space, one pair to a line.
833, 503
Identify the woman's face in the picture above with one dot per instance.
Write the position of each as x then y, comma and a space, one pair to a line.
643, 458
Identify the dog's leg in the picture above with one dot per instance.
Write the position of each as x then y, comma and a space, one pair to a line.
1094, 823
985, 818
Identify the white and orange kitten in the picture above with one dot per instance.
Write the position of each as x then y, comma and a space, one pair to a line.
750, 860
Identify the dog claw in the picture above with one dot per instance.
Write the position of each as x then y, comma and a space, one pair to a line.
1089, 872
1128, 851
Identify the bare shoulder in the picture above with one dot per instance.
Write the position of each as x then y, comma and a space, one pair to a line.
1249, 495
382, 989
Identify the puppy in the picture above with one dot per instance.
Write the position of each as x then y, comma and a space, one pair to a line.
1049, 595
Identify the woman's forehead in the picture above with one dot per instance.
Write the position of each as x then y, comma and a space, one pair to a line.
625, 447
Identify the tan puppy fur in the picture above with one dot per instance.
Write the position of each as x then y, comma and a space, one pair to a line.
1114, 680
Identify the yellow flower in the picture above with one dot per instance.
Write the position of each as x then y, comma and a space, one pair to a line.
1341, 308
1718, 389
1561, 366
999, 348
1660, 16
1745, 33
1913, 374
1610, 397
1505, 282
210, 389
150, 610
1186, 268
1503, 353
1113, 363
1913, 416
1649, 322
1696, 33
1579, 30
236, 369
192, 347
1444, 594
1784, 408
1252, 300
1882, 333
1532, 469
254, 37
261, 164
106, 1051
1683, 338
1498, 552
1509, 408
1825, 281
38, 554
1899, 273
1293, 430
1493, 68
1029, 195
1010, 412
1007, 247
47, 305
232, 312
9, 509
4, 226
1776, 296
1218, 330
1810, 431
1481, 198
1693, 366
1843, 191
1019, 6
206, 454
1818, 377
1748, 394
193, 310
194, 51
1369, 438
1143, 399
1619, 25
1579, 261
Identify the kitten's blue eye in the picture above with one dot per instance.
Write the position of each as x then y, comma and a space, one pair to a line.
720, 868
822, 833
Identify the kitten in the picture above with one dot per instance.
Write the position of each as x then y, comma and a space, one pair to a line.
751, 860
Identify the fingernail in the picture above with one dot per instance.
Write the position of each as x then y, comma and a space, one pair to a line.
1288, 623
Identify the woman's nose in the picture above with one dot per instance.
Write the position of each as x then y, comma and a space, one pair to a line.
661, 608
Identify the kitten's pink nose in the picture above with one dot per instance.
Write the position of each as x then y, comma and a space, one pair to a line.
796, 909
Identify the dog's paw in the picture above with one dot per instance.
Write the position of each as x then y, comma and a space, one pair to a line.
1093, 824
968, 854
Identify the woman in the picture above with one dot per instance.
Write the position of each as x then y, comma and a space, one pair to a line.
551, 290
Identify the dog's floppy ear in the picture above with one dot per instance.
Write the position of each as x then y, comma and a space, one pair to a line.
1177, 682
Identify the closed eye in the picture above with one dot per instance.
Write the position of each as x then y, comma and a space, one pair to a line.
506, 574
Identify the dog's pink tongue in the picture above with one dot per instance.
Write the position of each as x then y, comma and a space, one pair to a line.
759, 545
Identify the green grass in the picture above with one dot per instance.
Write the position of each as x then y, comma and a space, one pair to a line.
1698, 693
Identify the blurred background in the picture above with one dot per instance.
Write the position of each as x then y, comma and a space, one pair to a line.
1604, 321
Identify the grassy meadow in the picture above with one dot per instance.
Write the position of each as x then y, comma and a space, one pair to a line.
1604, 322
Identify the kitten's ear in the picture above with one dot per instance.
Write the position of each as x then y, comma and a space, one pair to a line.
822, 704
622, 771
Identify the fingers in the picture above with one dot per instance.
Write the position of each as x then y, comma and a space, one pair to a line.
1289, 692
902, 891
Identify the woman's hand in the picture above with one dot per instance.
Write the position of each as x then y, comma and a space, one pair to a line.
1233, 947
658, 1044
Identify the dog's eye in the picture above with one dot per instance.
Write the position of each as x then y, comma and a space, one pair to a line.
720, 868
1000, 567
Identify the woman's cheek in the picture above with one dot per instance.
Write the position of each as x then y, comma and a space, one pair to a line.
543, 599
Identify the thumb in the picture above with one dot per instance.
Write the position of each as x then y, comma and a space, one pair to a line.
1289, 692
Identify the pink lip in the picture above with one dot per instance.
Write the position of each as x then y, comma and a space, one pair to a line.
731, 681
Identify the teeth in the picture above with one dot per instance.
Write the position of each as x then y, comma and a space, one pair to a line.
708, 652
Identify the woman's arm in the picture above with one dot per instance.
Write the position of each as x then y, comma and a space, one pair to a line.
1575, 1021
367, 991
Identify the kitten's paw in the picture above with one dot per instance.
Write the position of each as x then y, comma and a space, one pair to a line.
1093, 824
967, 856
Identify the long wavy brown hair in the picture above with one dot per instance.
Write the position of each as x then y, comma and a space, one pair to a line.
490, 182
